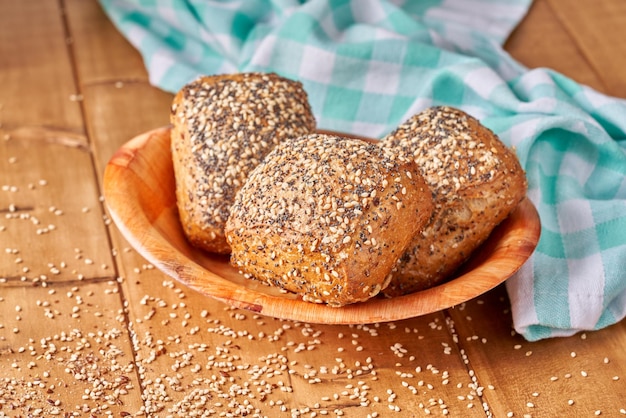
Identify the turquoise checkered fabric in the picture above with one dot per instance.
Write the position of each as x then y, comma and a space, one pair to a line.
368, 65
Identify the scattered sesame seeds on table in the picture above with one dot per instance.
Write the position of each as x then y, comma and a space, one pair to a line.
88, 328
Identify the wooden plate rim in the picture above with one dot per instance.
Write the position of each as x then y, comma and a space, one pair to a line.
516, 244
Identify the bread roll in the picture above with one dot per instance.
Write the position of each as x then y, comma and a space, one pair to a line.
223, 126
476, 182
327, 217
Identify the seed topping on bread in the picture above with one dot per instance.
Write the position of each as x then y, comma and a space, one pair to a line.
436, 138
476, 182
327, 206
229, 123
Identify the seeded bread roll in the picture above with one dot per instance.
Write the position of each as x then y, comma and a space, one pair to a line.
476, 182
327, 217
223, 126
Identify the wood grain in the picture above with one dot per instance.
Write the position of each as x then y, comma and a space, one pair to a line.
36, 63
52, 218
542, 41
576, 38
72, 91
65, 349
594, 27
552, 378
64, 342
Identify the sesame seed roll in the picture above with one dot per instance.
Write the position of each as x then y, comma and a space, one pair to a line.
223, 126
327, 217
476, 182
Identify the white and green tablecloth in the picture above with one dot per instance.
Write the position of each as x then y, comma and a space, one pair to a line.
368, 65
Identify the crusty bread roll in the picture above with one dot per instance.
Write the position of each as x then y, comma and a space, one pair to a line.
223, 126
327, 217
476, 182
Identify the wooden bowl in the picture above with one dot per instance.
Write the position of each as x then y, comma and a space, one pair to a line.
139, 189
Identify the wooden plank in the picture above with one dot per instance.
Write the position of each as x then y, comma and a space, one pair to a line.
113, 80
115, 114
52, 218
192, 352
411, 367
541, 40
188, 345
553, 378
64, 344
36, 77
52, 225
596, 27
64, 350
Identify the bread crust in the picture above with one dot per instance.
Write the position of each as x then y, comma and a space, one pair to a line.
223, 126
327, 217
476, 182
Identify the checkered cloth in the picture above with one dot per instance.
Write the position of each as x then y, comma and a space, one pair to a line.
368, 65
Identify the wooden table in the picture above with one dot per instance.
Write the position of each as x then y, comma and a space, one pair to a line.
89, 328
